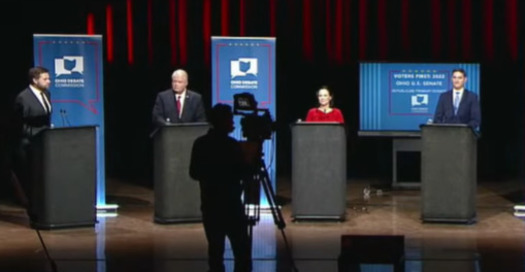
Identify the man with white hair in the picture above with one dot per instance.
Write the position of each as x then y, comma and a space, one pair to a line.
178, 104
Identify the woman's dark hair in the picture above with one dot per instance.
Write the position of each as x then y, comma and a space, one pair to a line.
324, 87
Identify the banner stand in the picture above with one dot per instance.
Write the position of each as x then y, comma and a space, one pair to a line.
519, 211
247, 65
107, 210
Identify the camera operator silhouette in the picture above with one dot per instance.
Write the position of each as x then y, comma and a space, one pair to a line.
218, 164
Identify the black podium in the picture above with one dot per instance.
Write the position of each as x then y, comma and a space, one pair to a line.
63, 177
177, 195
318, 171
449, 173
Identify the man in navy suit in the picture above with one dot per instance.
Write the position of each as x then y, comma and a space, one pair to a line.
32, 114
459, 105
178, 104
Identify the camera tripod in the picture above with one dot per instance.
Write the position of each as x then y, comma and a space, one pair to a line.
252, 193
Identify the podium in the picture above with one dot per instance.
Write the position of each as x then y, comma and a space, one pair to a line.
177, 195
449, 173
63, 177
318, 171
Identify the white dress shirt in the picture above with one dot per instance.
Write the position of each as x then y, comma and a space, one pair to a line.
454, 92
460, 91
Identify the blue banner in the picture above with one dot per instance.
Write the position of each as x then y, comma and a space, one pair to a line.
402, 96
76, 69
242, 65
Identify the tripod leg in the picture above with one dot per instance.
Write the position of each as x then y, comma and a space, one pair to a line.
250, 238
268, 190
276, 213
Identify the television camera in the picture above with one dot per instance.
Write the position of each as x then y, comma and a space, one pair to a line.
257, 124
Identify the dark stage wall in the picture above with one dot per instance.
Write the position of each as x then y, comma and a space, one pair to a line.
318, 43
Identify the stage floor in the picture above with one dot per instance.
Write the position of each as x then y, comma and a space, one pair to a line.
131, 241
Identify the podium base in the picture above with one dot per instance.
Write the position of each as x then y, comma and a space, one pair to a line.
44, 226
466, 221
340, 218
165, 221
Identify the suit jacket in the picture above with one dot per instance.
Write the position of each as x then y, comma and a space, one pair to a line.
165, 107
468, 112
30, 117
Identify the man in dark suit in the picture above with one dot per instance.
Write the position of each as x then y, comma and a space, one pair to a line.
32, 113
178, 104
459, 105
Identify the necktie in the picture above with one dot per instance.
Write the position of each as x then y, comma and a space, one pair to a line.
178, 105
456, 103
46, 106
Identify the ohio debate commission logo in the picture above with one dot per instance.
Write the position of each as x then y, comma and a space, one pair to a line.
69, 72
243, 73
420, 100
419, 103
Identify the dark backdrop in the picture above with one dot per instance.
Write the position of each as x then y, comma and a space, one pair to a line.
318, 43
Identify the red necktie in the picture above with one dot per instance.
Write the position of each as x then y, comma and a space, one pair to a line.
178, 105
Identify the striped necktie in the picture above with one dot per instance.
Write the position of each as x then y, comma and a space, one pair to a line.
44, 99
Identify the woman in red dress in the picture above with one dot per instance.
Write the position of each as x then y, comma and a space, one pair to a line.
325, 112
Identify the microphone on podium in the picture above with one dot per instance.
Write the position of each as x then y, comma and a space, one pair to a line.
65, 119
62, 117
